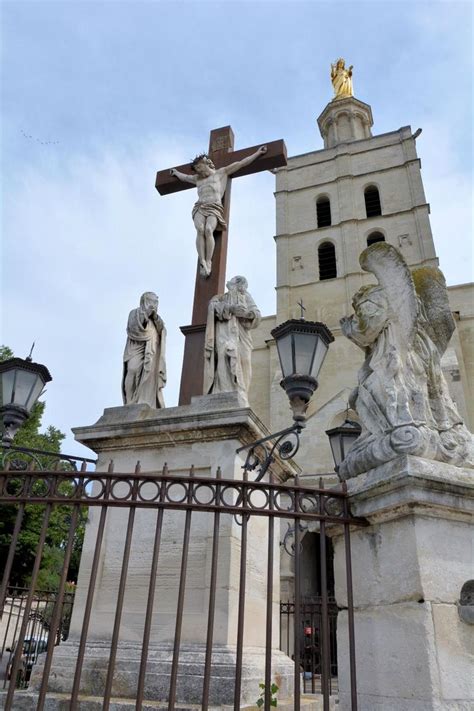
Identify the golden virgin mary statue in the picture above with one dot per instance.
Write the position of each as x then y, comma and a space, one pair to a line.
341, 79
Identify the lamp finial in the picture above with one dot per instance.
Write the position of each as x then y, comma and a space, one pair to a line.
29, 358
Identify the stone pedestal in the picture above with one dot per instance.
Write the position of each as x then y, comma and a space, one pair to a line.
205, 434
413, 651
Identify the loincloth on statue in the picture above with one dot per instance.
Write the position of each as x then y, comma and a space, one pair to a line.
211, 209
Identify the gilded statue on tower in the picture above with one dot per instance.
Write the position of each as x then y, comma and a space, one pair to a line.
341, 79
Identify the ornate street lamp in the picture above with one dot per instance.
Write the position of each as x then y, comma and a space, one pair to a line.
21, 384
341, 440
302, 347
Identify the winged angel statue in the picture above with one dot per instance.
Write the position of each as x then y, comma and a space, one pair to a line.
404, 325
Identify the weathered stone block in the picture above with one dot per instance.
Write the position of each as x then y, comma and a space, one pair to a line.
413, 652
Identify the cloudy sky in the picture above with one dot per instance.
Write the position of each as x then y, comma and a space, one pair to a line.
97, 96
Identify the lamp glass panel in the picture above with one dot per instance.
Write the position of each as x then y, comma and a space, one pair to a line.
7, 386
321, 350
285, 353
335, 442
35, 393
25, 380
347, 442
305, 343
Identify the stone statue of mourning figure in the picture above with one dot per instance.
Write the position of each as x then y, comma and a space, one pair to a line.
403, 324
228, 341
144, 366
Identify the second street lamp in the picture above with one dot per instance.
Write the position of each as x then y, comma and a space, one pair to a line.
341, 440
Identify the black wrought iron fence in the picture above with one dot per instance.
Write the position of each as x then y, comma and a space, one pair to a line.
166, 494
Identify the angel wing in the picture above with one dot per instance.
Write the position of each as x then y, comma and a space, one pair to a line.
430, 286
394, 276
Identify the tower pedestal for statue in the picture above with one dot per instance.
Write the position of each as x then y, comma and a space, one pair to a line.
205, 434
413, 651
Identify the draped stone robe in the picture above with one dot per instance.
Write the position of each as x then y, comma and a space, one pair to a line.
145, 354
228, 345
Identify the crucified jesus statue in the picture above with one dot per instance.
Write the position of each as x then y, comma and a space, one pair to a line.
208, 211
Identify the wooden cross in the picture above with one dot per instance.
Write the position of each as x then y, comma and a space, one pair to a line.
221, 152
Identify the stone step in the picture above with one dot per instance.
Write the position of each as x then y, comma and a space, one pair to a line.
26, 701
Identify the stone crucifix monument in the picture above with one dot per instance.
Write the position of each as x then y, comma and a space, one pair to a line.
202, 438
411, 475
212, 175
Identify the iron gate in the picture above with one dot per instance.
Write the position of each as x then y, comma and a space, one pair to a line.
310, 640
167, 493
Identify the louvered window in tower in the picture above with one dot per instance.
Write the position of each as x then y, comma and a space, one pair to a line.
372, 201
323, 212
375, 237
327, 261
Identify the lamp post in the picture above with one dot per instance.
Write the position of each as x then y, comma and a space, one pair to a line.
302, 347
341, 440
21, 384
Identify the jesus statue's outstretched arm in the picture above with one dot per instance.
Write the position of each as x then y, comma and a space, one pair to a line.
185, 177
234, 167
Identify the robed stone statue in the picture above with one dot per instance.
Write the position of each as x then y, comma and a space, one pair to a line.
228, 344
144, 367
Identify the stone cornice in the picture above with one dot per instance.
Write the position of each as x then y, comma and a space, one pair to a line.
355, 220
408, 485
134, 425
350, 148
348, 176
208, 419
312, 281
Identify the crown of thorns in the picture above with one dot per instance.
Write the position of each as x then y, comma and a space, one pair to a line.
199, 158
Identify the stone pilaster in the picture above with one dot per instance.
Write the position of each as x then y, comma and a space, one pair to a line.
414, 653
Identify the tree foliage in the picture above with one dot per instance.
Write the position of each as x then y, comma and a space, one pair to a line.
29, 436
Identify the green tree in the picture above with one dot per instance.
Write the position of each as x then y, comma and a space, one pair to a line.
29, 436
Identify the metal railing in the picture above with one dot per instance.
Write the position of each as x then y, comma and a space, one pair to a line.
19, 458
310, 641
165, 493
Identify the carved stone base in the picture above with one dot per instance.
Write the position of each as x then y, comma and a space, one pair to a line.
27, 701
157, 681
455, 446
